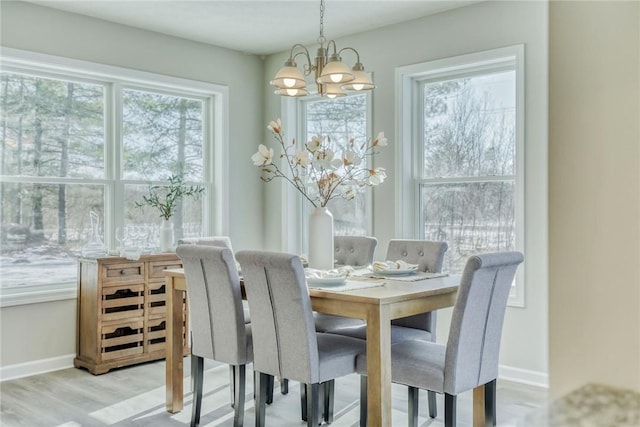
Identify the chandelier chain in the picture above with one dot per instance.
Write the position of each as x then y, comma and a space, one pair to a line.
321, 38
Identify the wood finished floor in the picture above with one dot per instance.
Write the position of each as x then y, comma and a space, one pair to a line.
135, 396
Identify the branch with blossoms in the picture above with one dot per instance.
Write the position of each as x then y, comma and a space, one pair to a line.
316, 172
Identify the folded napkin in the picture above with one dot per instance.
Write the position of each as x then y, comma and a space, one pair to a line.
393, 265
336, 273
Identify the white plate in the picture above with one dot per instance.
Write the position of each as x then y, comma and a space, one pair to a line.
395, 272
326, 281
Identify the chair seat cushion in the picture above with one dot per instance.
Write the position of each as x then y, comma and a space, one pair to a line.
414, 363
398, 333
328, 322
337, 355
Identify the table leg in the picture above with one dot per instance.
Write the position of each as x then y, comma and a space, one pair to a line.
378, 367
174, 344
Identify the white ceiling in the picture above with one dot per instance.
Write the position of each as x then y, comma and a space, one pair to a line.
258, 26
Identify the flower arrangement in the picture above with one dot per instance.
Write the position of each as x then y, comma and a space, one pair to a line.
316, 172
165, 197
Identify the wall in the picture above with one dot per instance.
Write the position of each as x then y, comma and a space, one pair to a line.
39, 29
594, 194
478, 27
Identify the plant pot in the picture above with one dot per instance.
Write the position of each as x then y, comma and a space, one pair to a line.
166, 236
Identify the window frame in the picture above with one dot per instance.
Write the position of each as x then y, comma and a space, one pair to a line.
410, 82
215, 101
295, 210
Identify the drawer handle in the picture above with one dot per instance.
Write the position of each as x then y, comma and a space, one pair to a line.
123, 272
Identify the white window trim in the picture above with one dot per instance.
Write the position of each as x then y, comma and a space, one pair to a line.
407, 80
216, 129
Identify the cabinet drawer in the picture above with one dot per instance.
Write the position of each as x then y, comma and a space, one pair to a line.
122, 339
124, 272
122, 302
157, 267
156, 299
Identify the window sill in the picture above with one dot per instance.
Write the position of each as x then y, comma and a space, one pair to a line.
37, 294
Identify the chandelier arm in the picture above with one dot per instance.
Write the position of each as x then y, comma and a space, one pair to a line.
334, 46
351, 49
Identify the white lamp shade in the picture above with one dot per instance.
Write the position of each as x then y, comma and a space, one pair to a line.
288, 77
333, 90
291, 92
362, 81
335, 72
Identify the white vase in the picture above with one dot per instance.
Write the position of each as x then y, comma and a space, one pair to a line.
321, 239
166, 236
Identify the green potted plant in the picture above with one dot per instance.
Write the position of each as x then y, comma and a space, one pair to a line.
165, 199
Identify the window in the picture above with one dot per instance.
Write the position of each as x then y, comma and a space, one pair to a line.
340, 120
79, 137
467, 149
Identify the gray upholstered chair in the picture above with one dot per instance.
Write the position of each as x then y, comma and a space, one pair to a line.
285, 341
429, 256
470, 357
356, 251
218, 327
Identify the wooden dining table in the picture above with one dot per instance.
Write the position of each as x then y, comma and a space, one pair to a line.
377, 305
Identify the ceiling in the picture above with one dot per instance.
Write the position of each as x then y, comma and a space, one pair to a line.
258, 26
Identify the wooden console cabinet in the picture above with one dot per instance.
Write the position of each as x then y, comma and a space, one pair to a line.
122, 311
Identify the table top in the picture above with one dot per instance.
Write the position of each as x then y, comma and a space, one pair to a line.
389, 292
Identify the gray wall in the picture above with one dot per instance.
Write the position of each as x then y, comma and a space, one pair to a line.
594, 194
27, 330
478, 27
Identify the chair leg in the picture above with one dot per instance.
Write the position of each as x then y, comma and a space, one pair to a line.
197, 370
363, 401
329, 391
313, 400
284, 386
270, 390
303, 401
449, 410
239, 394
490, 403
262, 381
433, 411
232, 384
412, 412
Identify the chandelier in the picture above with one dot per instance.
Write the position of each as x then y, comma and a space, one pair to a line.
332, 76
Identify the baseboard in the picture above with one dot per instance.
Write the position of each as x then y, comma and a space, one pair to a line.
19, 370
524, 376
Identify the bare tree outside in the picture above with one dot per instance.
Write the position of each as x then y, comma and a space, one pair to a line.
468, 178
53, 168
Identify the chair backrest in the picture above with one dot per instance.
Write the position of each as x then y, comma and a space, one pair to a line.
429, 256
284, 335
222, 241
354, 250
215, 304
476, 325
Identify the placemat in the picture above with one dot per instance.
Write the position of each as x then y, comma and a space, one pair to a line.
349, 285
408, 278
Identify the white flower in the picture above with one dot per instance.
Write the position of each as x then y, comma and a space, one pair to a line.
380, 140
377, 176
315, 143
275, 126
316, 171
302, 158
323, 158
263, 157
349, 194
351, 158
